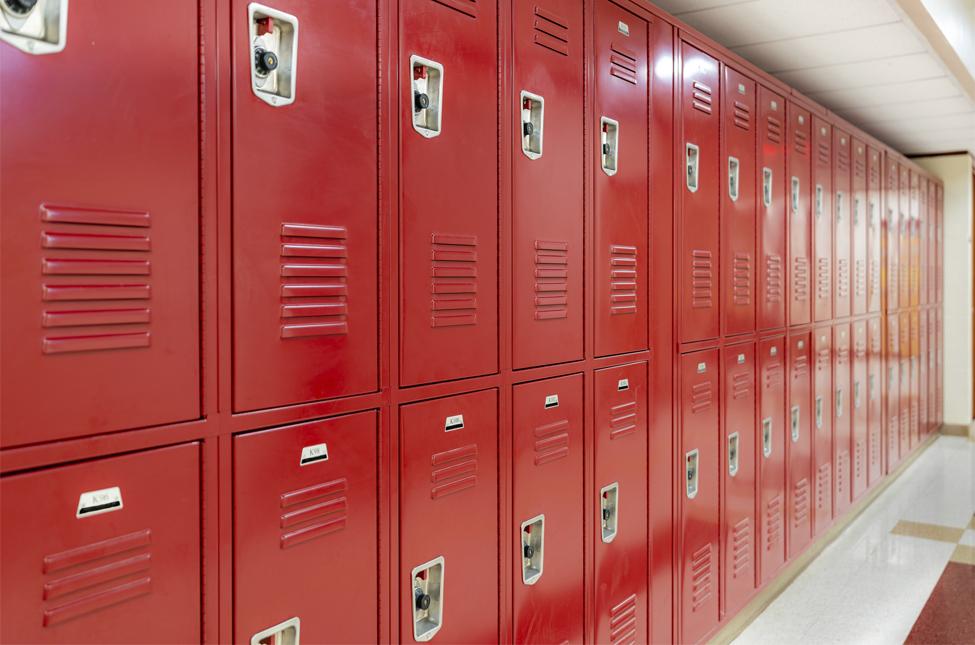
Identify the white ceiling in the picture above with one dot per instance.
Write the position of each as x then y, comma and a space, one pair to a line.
863, 59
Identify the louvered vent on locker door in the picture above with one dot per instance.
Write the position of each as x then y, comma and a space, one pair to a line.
551, 31
800, 367
773, 279
622, 63
800, 503
622, 621
622, 279
742, 116
823, 274
702, 279
823, 152
551, 442
843, 277
741, 279
843, 159
741, 548
453, 471
842, 476
824, 483
800, 278
314, 511
859, 458
773, 523
741, 386
701, 397
551, 280
701, 97
314, 280
800, 142
96, 287
454, 285
97, 576
773, 374
623, 421
466, 7
773, 129
702, 565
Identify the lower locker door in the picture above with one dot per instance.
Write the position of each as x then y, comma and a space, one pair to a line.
822, 414
771, 456
875, 459
858, 405
799, 487
842, 426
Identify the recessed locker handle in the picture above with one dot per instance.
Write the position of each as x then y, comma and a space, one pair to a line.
733, 453
856, 211
692, 472
819, 413
856, 394
532, 124
427, 600
795, 195
609, 134
532, 549
767, 437
733, 184
794, 423
839, 402
693, 162
767, 187
274, 54
426, 96
609, 510
839, 208
819, 201
34, 26
286, 633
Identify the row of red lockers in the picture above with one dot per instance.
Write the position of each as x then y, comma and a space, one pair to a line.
119, 234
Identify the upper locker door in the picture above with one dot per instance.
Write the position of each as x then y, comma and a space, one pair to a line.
771, 210
874, 229
903, 236
621, 268
823, 220
448, 226
875, 345
842, 427
305, 203
940, 244
823, 428
546, 183
892, 222
859, 409
913, 234
799, 445
771, 456
932, 245
797, 155
698, 221
100, 254
861, 223
842, 205
922, 241
738, 203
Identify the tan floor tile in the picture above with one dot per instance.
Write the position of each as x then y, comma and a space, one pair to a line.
928, 531
964, 554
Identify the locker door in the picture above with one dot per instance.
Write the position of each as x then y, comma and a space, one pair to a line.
771, 456
306, 495
842, 425
448, 519
103, 551
546, 524
448, 165
859, 403
932, 244
738, 203
771, 210
940, 253
915, 367
621, 267
904, 239
621, 530
874, 231
875, 363
800, 233
698, 221
892, 387
738, 472
799, 445
892, 214
305, 210
922, 361
931, 358
698, 479
941, 365
861, 223
822, 199
842, 207
547, 199
906, 386
913, 232
922, 241
822, 414
99, 266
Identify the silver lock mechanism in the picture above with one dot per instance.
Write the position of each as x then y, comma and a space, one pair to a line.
609, 511
819, 200
733, 453
274, 54
795, 195
856, 394
691, 472
426, 100
839, 208
427, 599
693, 161
733, 184
819, 413
286, 633
532, 549
609, 145
767, 187
839, 402
532, 124
856, 211
794, 423
34, 26
767, 437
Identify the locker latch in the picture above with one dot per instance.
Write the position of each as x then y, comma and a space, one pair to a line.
733, 441
427, 599
819, 200
839, 208
767, 187
691, 474
839, 402
733, 166
609, 137
426, 101
819, 413
856, 394
532, 124
532, 549
693, 161
795, 195
794, 423
609, 510
34, 26
274, 54
856, 211
872, 223
767, 436
286, 633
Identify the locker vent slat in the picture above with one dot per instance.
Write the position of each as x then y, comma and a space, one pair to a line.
741, 386
702, 564
800, 503
314, 280
453, 299
702, 396
551, 280
313, 512
702, 279
623, 421
741, 549
801, 366
741, 279
466, 7
453, 471
800, 279
623, 279
773, 523
623, 63
701, 97
773, 279
842, 476
551, 31
742, 116
823, 275
551, 442
800, 142
824, 496
773, 129
622, 621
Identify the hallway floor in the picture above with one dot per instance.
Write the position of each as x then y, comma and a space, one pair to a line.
904, 570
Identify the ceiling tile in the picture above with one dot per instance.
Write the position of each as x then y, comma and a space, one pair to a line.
899, 111
898, 69
682, 7
872, 95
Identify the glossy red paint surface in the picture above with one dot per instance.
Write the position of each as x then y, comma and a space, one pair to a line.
842, 418
822, 200
799, 455
874, 229
892, 242
842, 225
859, 403
798, 156
772, 194
906, 382
875, 397
892, 379
860, 213
823, 428
771, 455
916, 385
904, 236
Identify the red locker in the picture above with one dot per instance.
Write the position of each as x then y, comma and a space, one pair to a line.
915, 367
904, 414
99, 258
922, 242
931, 358
699, 472
621, 530
799, 446
448, 165
842, 426
922, 368
932, 243
621, 189
305, 207
892, 250
307, 494
913, 233
448, 519
939, 245
823, 428
842, 226
771, 456
800, 232
546, 186
738, 204
698, 220
861, 222
904, 239
874, 230
875, 361
103, 551
738, 526
892, 388
859, 411
940, 362
771, 210
546, 522
823, 220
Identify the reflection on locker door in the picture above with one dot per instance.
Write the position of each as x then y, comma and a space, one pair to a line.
822, 198
875, 362
859, 211
771, 210
698, 227
738, 472
904, 398
448, 519
892, 215
822, 413
448, 166
842, 206
307, 494
305, 204
892, 385
922, 370
738, 204
798, 171
771, 456
858, 406
98, 264
921, 242
915, 367
546, 524
904, 238
931, 358
103, 551
874, 229
620, 183
799, 444
842, 427
913, 231
621, 531
699, 494
546, 184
